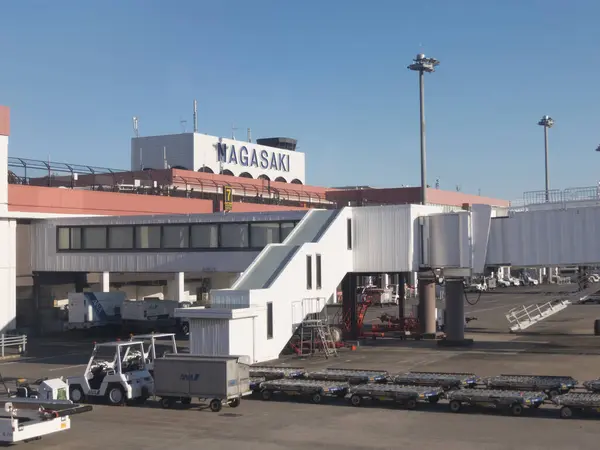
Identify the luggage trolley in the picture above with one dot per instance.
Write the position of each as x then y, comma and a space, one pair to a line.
275, 373
408, 396
315, 389
447, 381
550, 385
592, 386
581, 402
515, 401
352, 376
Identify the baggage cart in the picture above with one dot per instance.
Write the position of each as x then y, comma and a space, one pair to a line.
275, 373
408, 396
577, 402
592, 385
447, 381
549, 384
352, 376
256, 382
218, 380
315, 389
514, 401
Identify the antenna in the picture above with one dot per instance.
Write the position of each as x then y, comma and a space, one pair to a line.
165, 157
249, 135
233, 129
183, 123
136, 132
195, 116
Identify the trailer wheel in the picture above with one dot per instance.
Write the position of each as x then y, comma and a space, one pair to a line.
455, 406
76, 394
356, 400
186, 400
116, 396
166, 402
411, 403
434, 400
316, 398
566, 412
234, 403
516, 409
215, 405
266, 395
553, 393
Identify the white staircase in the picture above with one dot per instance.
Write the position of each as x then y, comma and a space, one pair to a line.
521, 318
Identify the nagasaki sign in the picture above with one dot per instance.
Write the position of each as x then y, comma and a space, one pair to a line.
253, 158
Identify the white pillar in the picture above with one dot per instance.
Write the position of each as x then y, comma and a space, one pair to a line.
4, 132
105, 282
176, 287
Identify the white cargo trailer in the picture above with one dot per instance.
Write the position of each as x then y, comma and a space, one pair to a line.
151, 315
94, 309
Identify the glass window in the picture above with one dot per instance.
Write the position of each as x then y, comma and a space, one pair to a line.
318, 268
269, 320
147, 236
262, 234
120, 237
349, 233
94, 238
286, 229
308, 272
63, 238
75, 238
176, 236
205, 236
234, 235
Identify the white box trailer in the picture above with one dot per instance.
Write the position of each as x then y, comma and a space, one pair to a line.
151, 315
94, 309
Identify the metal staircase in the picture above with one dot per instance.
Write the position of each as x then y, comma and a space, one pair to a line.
314, 335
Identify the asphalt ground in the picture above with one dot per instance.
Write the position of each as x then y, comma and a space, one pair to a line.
561, 345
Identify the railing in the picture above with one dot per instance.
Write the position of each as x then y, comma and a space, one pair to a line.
557, 199
13, 344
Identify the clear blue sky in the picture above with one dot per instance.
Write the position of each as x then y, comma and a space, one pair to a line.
330, 73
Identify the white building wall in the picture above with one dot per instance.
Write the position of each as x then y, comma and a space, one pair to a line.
4, 174
209, 337
8, 274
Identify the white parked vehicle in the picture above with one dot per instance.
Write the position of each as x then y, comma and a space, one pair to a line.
530, 281
156, 345
477, 287
516, 281
116, 372
502, 282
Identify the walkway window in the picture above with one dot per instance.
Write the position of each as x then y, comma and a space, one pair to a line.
176, 236
286, 229
147, 237
349, 233
205, 236
263, 234
94, 238
270, 320
308, 272
75, 238
63, 238
318, 264
234, 235
120, 237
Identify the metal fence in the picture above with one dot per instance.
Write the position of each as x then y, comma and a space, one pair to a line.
557, 199
11, 344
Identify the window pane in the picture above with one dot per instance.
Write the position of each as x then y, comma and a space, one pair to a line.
205, 236
176, 236
147, 236
269, 320
120, 237
76, 238
63, 238
349, 233
286, 229
94, 238
234, 235
308, 272
318, 264
262, 234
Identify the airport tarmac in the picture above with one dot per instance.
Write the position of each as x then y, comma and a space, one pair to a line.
562, 345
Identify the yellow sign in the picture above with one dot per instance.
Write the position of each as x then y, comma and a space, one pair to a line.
227, 198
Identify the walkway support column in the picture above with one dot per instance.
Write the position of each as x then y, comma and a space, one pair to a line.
105, 282
455, 314
427, 319
176, 287
401, 279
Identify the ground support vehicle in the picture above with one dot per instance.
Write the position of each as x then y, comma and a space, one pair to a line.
408, 396
514, 401
447, 381
351, 376
24, 420
156, 345
274, 373
592, 385
581, 402
550, 385
217, 379
315, 389
116, 373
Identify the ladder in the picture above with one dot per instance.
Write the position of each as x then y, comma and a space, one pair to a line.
315, 331
324, 334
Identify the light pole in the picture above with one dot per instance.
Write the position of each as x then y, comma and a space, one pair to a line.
546, 122
422, 64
